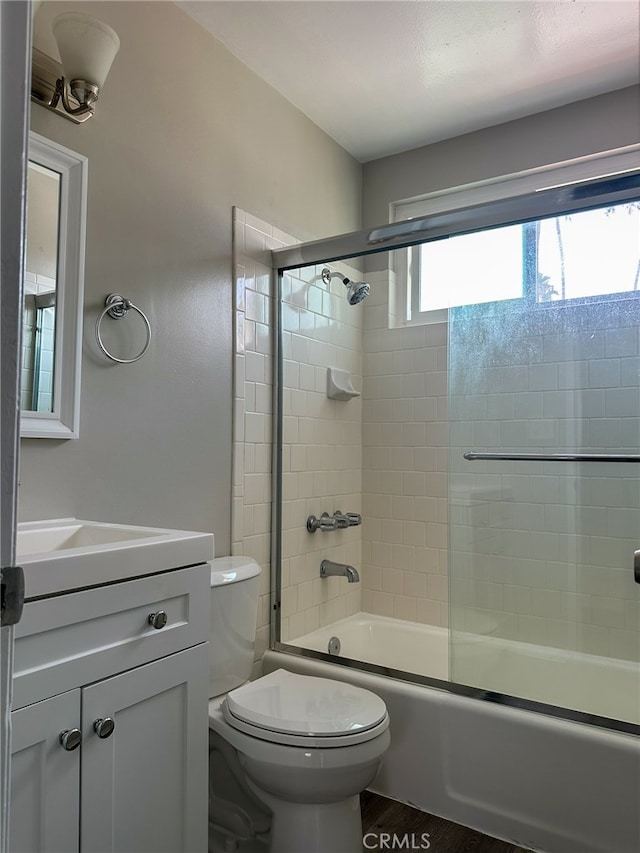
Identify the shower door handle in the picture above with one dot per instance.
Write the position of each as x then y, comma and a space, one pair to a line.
636, 566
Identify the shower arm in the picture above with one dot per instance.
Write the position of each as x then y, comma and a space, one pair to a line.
328, 274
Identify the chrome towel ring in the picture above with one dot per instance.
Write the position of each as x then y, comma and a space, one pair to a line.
117, 306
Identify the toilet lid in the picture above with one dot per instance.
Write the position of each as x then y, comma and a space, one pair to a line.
306, 705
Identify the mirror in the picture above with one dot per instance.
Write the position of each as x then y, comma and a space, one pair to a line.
53, 291
41, 264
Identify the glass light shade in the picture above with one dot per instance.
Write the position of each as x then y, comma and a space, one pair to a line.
87, 47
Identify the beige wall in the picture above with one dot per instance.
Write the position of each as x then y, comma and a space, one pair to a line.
182, 132
42, 223
597, 124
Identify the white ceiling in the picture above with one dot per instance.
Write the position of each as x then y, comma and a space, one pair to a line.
383, 76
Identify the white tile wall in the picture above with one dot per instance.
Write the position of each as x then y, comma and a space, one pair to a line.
322, 438
322, 459
37, 285
253, 240
528, 564
405, 448
544, 552
45, 368
28, 352
540, 555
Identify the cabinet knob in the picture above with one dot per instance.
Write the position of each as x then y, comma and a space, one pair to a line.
158, 620
104, 727
70, 739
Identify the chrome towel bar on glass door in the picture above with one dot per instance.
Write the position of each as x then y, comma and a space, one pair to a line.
473, 455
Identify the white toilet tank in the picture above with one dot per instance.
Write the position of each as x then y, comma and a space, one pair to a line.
235, 587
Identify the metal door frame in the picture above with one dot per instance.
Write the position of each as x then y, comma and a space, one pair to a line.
15, 42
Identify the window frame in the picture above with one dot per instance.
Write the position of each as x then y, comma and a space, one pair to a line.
604, 168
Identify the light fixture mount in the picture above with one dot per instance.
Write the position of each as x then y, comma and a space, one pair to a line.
87, 48
73, 101
49, 89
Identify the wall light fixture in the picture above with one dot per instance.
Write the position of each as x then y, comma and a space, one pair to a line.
87, 49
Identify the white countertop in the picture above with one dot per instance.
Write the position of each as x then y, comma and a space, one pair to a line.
63, 554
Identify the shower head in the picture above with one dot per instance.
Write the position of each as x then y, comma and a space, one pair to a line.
356, 290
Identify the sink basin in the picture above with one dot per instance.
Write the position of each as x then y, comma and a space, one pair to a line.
59, 555
76, 535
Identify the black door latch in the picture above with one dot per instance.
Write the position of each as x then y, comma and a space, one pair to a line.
11, 595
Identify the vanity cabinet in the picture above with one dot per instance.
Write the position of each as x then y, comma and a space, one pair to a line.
135, 696
45, 778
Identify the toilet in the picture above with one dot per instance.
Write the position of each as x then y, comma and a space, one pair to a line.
288, 754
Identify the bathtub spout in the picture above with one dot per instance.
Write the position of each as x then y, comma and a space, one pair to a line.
329, 569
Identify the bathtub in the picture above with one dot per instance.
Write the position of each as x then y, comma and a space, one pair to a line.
529, 778
589, 683
420, 649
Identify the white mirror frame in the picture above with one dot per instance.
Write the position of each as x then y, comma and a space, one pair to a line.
64, 420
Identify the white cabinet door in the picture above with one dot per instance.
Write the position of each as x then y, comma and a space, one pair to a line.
144, 788
45, 777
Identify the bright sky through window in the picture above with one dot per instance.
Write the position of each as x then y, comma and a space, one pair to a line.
583, 254
481, 267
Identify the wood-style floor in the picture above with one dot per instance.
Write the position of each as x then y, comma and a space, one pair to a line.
380, 815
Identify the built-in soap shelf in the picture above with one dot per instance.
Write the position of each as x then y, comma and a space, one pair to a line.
340, 385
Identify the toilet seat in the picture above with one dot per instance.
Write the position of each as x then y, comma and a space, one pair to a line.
303, 710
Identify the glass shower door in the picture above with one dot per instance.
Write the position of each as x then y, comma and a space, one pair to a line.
543, 603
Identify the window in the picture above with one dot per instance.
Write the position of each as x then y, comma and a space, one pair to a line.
590, 253
576, 254
485, 266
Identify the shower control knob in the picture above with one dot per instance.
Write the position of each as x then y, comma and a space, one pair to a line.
158, 620
70, 739
324, 523
104, 727
341, 520
354, 519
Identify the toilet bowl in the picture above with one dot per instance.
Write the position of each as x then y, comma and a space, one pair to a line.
289, 754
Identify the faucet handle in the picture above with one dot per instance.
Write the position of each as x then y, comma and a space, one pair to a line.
324, 523
342, 521
328, 522
354, 519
